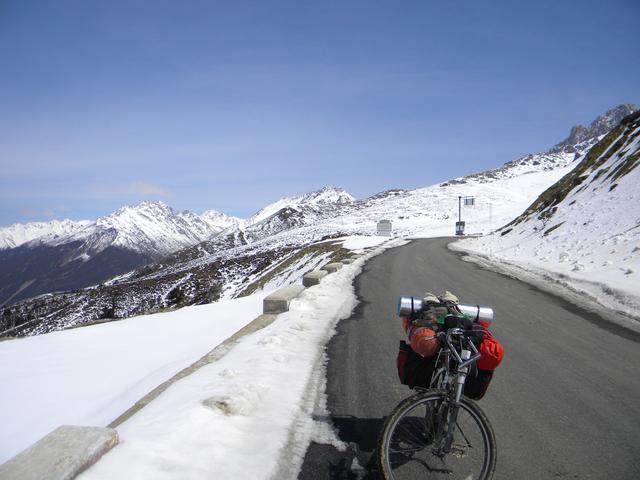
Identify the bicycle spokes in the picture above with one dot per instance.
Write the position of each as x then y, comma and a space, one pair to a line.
428, 438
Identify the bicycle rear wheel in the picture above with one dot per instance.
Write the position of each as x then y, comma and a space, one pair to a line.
412, 439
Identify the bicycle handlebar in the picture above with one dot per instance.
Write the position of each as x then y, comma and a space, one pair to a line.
464, 333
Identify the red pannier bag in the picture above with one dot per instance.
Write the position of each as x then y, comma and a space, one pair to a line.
479, 378
492, 353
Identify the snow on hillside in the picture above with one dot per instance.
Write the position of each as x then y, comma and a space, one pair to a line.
149, 227
584, 232
323, 197
210, 424
216, 220
154, 228
19, 233
89, 376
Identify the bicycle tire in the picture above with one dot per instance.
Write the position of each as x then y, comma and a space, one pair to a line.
397, 464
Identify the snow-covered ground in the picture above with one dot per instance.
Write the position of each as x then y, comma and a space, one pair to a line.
247, 415
90, 375
19, 233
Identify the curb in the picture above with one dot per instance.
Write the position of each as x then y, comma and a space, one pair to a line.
278, 301
332, 267
313, 278
61, 455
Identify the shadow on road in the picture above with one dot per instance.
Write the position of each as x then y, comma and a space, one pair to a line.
357, 462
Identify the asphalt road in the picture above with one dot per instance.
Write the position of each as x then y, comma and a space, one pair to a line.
565, 403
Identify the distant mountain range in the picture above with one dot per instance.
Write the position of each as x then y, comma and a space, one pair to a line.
156, 257
150, 228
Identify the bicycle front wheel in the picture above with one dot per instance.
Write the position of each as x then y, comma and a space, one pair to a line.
413, 443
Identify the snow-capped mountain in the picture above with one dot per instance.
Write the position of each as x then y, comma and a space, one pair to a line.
279, 242
314, 201
584, 228
65, 255
294, 212
151, 228
19, 233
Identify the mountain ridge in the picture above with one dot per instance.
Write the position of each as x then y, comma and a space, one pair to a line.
580, 136
287, 223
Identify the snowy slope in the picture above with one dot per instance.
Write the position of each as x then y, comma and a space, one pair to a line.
19, 233
150, 227
585, 230
327, 196
89, 376
234, 264
69, 255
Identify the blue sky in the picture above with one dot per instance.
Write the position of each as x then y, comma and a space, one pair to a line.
232, 105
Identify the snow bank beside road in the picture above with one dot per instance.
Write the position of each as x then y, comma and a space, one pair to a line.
614, 306
90, 375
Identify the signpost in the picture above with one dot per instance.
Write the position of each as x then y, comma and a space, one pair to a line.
384, 228
468, 201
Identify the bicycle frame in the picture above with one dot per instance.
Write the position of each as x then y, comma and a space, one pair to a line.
451, 378
443, 360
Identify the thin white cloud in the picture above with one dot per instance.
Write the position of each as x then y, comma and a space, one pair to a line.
144, 188
39, 212
134, 189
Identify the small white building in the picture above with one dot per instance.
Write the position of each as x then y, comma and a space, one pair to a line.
384, 228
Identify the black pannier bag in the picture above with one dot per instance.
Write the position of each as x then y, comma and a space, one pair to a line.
414, 370
477, 383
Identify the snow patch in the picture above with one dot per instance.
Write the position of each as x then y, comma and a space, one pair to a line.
90, 375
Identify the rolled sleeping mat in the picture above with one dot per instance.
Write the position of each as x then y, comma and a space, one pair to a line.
407, 306
477, 312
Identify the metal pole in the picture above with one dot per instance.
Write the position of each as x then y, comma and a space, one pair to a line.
459, 209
